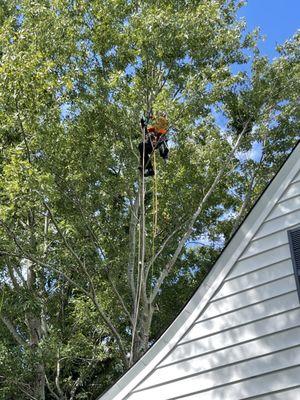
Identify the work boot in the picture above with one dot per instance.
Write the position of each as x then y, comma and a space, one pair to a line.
149, 172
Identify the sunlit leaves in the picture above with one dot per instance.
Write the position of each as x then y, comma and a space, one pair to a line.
75, 77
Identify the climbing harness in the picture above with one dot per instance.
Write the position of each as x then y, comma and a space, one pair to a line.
154, 137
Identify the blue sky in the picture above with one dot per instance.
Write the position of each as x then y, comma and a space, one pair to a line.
278, 20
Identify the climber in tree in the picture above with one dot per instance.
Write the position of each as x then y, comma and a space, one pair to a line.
155, 130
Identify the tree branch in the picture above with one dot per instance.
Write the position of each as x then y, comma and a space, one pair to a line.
81, 378
105, 318
13, 331
57, 384
12, 275
68, 246
23, 132
163, 245
120, 298
19, 273
92, 297
50, 388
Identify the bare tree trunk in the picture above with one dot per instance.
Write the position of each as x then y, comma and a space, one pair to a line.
134, 220
141, 341
140, 279
35, 331
34, 322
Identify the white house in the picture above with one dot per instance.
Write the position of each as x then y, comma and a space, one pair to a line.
239, 335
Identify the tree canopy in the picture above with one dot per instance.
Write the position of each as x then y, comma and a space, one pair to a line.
95, 262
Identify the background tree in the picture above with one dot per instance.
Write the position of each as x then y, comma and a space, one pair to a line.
96, 262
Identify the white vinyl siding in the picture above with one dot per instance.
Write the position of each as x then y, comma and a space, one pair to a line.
222, 376
249, 389
251, 296
255, 278
290, 394
292, 191
262, 260
297, 178
225, 357
285, 207
243, 316
234, 336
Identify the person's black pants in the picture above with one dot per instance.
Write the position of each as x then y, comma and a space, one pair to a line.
147, 158
163, 152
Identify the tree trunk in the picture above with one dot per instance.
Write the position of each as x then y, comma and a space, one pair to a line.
34, 325
34, 322
141, 342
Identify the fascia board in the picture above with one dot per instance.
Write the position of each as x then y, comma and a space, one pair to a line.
210, 285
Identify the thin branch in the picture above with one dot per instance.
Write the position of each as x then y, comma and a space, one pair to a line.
15, 382
23, 132
12, 275
96, 243
46, 228
48, 266
89, 295
26, 393
120, 298
57, 384
106, 319
68, 246
19, 273
244, 205
176, 94
13, 331
163, 80
81, 378
50, 388
163, 245
79, 207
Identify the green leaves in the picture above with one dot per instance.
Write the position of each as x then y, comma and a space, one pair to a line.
75, 78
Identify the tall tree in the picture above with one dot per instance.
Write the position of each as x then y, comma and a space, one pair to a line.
95, 260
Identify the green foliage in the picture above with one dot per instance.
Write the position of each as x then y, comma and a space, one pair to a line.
75, 77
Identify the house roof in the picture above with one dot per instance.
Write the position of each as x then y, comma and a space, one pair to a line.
211, 283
